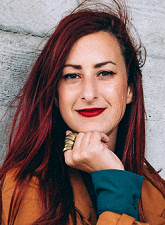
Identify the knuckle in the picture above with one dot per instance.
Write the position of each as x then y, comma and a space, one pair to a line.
84, 155
75, 157
79, 158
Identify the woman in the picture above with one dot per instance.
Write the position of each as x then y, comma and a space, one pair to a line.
86, 80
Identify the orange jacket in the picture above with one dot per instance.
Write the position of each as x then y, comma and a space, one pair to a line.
152, 200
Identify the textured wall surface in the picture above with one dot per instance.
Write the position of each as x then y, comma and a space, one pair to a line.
24, 27
148, 17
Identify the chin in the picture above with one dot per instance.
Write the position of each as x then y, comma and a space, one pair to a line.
90, 129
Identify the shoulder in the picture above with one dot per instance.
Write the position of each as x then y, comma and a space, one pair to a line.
30, 208
153, 201
150, 176
151, 181
10, 183
11, 174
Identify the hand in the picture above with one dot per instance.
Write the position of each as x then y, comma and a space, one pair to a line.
90, 153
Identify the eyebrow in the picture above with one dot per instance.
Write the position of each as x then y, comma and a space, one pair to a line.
98, 65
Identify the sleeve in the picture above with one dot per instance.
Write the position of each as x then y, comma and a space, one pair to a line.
117, 193
111, 218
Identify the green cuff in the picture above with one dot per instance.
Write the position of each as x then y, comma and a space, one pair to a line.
117, 191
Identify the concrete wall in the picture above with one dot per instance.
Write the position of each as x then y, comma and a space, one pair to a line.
24, 26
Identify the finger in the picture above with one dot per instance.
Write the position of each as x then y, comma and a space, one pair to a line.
68, 132
68, 157
85, 139
104, 138
78, 140
99, 136
105, 146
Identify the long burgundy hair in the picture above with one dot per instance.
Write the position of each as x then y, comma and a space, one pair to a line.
38, 130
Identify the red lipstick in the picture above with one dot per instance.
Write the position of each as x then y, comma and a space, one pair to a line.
90, 112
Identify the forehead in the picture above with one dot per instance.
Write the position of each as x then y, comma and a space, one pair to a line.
96, 47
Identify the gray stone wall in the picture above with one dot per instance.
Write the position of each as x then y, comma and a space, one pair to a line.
24, 27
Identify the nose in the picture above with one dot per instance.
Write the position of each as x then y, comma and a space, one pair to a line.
89, 90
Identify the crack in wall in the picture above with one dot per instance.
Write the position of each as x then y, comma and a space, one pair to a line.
23, 33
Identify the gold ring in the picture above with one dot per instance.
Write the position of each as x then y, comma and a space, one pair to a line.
71, 136
69, 141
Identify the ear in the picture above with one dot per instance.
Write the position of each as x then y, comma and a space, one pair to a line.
129, 94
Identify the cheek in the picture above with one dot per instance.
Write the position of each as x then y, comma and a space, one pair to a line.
63, 104
122, 100
62, 98
116, 92
63, 108
118, 98
65, 100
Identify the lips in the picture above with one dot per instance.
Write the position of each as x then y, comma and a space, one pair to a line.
90, 112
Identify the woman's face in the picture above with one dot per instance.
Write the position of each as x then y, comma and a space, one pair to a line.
93, 90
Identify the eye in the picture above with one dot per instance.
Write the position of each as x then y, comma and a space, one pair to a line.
106, 73
71, 76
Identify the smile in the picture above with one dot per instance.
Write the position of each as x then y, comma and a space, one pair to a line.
90, 112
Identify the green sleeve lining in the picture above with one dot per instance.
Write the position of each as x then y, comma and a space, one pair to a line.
117, 191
